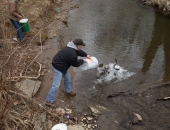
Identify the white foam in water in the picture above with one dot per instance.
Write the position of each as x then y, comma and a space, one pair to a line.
110, 72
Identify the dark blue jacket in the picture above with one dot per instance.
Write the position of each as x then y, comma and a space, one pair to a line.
67, 57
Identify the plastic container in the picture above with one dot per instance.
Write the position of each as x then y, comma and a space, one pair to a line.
90, 63
60, 126
24, 25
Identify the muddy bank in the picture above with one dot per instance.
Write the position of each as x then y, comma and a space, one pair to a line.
160, 5
148, 103
18, 61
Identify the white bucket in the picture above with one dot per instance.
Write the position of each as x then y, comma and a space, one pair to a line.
60, 126
23, 21
90, 63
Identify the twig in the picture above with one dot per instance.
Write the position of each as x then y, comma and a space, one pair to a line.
40, 41
16, 118
49, 112
140, 91
7, 126
25, 103
9, 57
18, 94
165, 98
117, 94
28, 77
33, 61
40, 105
12, 52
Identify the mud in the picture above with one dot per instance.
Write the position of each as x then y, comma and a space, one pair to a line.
144, 103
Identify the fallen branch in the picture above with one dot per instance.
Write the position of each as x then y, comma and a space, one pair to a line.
32, 62
141, 90
117, 94
12, 52
39, 104
9, 57
18, 94
17, 120
27, 77
165, 98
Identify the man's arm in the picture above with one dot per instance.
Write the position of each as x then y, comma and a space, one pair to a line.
76, 62
82, 53
12, 9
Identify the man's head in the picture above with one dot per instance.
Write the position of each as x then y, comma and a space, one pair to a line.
79, 43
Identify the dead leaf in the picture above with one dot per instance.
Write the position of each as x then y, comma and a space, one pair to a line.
16, 103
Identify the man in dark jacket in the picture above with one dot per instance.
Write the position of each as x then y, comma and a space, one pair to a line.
60, 64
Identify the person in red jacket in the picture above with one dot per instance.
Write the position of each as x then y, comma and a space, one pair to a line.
60, 64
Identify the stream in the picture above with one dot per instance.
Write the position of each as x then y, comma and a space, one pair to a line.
135, 35
125, 30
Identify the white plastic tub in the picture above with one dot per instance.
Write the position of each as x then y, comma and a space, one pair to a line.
23, 20
60, 126
90, 63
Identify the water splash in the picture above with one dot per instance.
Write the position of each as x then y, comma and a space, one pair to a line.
107, 73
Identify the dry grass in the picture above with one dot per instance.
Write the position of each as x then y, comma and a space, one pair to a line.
17, 61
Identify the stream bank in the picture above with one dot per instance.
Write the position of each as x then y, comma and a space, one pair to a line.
162, 6
22, 60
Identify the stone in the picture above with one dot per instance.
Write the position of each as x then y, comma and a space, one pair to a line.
58, 17
59, 1
75, 118
28, 87
43, 117
94, 110
68, 111
89, 118
139, 95
137, 118
89, 126
75, 127
116, 122
50, 124
60, 111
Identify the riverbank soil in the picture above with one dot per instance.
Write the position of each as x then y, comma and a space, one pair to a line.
149, 103
18, 61
162, 6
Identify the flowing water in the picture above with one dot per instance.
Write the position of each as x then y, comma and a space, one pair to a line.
134, 34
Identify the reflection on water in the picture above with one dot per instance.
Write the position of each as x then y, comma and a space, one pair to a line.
159, 46
133, 34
